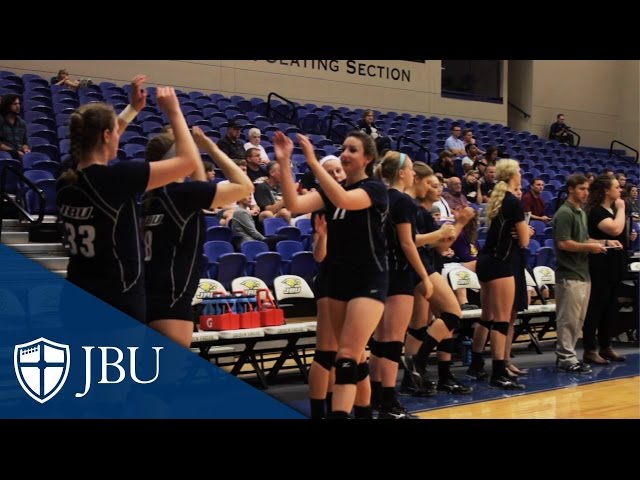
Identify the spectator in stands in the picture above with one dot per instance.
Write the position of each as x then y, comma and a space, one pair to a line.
490, 158
487, 183
446, 211
533, 202
558, 131
255, 169
244, 224
473, 153
104, 246
209, 170
501, 274
254, 142
64, 79
471, 187
175, 232
632, 205
468, 139
231, 143
358, 272
269, 197
607, 222
444, 165
454, 143
573, 282
590, 176
13, 129
454, 196
367, 125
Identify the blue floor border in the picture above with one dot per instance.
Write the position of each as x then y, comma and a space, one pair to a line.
539, 379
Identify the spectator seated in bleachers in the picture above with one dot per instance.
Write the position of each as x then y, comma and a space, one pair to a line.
444, 165
254, 142
255, 169
367, 125
13, 129
244, 224
532, 201
64, 79
558, 131
269, 197
454, 143
231, 143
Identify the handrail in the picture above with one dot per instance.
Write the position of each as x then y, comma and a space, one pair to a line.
5, 196
611, 152
344, 119
577, 144
421, 147
294, 114
526, 115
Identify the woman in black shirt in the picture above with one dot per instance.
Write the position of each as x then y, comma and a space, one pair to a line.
606, 221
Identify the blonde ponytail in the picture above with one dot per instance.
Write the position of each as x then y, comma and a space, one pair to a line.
506, 169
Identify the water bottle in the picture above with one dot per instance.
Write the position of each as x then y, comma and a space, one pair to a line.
467, 350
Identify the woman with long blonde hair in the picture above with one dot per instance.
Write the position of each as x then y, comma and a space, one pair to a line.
498, 268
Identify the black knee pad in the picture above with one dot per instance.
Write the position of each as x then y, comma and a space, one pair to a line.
346, 371
446, 345
393, 351
418, 333
325, 358
363, 371
501, 327
485, 323
450, 320
376, 347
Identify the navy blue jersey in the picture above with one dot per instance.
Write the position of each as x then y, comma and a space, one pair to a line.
174, 231
500, 244
355, 237
402, 209
425, 223
99, 212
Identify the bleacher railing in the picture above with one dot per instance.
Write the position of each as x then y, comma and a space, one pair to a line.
331, 130
611, 152
5, 196
426, 150
292, 118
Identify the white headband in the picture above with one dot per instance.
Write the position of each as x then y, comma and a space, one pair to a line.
328, 158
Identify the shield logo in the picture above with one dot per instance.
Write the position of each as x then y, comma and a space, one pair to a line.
41, 367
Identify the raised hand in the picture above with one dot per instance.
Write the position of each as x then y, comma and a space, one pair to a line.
282, 148
307, 148
200, 138
167, 99
138, 95
619, 203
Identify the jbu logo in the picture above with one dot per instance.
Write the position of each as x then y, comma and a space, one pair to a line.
42, 367
77, 213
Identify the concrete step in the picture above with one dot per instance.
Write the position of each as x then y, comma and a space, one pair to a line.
14, 237
52, 263
62, 273
40, 249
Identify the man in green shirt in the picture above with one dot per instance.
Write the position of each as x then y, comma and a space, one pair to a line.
573, 284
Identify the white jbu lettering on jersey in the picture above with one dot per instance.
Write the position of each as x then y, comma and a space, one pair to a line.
77, 213
153, 220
